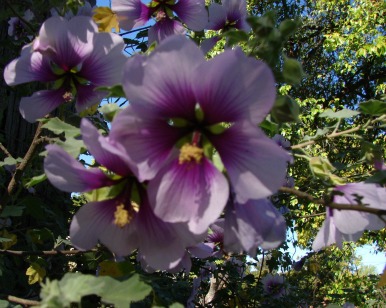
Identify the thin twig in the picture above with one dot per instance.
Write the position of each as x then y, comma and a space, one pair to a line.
22, 301
4, 149
333, 205
337, 134
21, 167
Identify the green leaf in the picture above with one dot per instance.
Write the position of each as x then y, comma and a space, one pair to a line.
58, 127
122, 293
10, 161
288, 27
319, 133
341, 114
73, 286
114, 91
176, 305
70, 289
285, 110
109, 111
72, 146
292, 71
4, 239
234, 37
378, 177
14, 211
35, 180
268, 125
373, 107
6, 304
322, 168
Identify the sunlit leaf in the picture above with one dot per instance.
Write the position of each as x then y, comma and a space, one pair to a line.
35, 273
106, 19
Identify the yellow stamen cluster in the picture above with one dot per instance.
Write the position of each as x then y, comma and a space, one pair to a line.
122, 216
68, 97
188, 152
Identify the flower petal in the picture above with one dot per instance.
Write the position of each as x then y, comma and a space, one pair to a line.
87, 96
193, 13
163, 29
359, 193
67, 174
95, 221
237, 13
40, 104
31, 66
232, 87
329, 234
131, 13
105, 151
69, 40
217, 17
147, 138
255, 164
171, 81
104, 65
195, 193
253, 224
164, 244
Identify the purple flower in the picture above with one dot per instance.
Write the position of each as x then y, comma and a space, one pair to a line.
348, 225
257, 223
17, 27
231, 14
281, 141
71, 56
273, 285
192, 105
117, 222
133, 13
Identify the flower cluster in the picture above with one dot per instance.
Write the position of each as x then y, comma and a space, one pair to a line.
73, 58
133, 13
165, 139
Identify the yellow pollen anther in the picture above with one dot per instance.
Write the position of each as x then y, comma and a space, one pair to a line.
122, 216
188, 152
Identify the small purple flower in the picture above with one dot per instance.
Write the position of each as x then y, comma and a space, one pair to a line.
195, 104
17, 27
231, 14
71, 56
133, 13
348, 225
274, 285
281, 141
117, 222
256, 223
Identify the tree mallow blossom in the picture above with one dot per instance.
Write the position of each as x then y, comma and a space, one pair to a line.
192, 106
273, 285
230, 14
117, 222
134, 13
17, 27
73, 58
336, 229
256, 223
